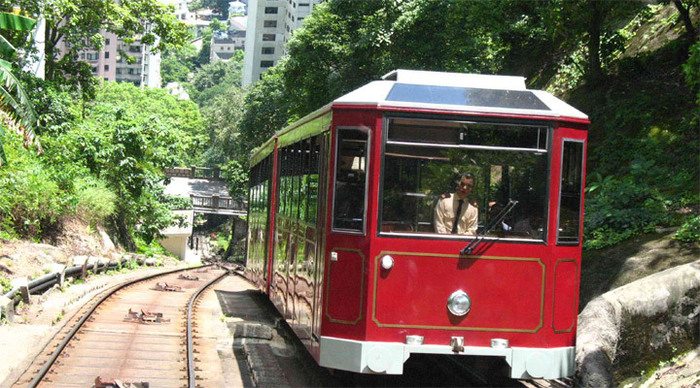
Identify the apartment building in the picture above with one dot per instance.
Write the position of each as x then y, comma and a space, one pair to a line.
112, 62
270, 25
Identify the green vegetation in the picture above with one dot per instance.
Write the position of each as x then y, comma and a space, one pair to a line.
689, 232
151, 249
633, 67
630, 66
5, 285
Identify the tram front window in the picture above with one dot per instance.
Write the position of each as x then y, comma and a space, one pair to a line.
425, 164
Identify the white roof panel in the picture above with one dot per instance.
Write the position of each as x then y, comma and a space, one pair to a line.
459, 92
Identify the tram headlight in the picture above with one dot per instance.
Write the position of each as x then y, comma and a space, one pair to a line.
459, 303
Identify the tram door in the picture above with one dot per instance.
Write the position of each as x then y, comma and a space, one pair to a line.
319, 269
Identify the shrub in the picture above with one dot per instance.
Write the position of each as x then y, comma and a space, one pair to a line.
620, 208
689, 231
95, 202
31, 200
150, 249
5, 285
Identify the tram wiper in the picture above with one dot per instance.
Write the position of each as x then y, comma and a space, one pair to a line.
496, 221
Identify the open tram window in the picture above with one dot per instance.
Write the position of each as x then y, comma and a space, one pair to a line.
570, 193
350, 179
423, 159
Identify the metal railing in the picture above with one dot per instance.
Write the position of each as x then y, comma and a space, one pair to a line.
211, 173
216, 202
45, 282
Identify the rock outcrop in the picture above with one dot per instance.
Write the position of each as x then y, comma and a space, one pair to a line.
638, 325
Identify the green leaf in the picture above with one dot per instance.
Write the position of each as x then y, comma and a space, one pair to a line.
10, 21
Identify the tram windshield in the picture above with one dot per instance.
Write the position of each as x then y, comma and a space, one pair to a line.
426, 162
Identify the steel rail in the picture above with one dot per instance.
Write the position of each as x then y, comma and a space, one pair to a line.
190, 341
62, 345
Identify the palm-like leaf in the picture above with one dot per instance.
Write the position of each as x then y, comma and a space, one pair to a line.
16, 110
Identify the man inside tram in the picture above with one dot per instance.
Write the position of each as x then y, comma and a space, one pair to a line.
456, 213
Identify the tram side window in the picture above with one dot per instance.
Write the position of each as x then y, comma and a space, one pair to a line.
507, 165
350, 179
298, 185
570, 196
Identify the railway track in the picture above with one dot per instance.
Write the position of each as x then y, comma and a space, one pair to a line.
141, 333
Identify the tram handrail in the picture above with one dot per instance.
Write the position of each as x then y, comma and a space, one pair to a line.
480, 236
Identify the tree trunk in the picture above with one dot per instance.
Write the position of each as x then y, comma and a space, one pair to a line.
595, 71
50, 52
122, 231
232, 240
684, 13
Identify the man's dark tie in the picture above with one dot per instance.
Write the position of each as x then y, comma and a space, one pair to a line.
457, 213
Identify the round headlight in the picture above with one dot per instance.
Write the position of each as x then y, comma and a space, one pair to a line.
459, 303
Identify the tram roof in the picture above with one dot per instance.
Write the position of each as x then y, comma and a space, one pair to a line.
432, 90
459, 92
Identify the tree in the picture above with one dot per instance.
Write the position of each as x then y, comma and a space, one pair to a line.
129, 135
266, 111
16, 110
78, 24
178, 64
684, 8
212, 79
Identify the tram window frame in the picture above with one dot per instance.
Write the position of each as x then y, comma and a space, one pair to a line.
542, 148
367, 132
575, 238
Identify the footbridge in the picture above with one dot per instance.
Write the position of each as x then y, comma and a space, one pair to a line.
207, 189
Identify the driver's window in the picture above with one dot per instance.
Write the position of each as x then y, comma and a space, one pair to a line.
497, 171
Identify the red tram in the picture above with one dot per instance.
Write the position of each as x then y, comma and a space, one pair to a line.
343, 237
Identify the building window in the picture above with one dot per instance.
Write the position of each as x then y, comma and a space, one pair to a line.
303, 4
268, 50
268, 37
270, 23
106, 54
266, 64
106, 67
131, 71
107, 42
270, 10
119, 71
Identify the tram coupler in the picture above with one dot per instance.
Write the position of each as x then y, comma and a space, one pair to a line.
457, 344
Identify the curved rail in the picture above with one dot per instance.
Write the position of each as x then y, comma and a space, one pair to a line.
190, 340
62, 345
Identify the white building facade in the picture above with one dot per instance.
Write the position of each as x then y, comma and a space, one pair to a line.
270, 25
